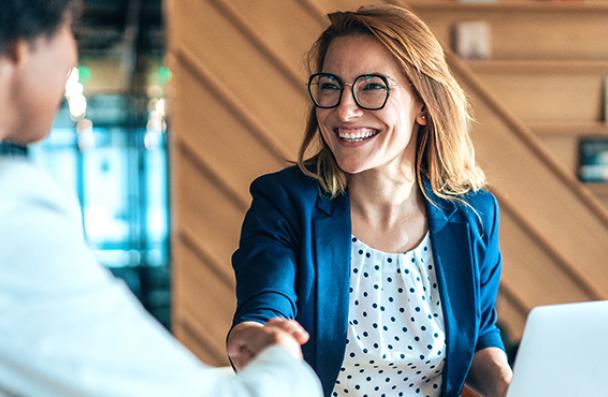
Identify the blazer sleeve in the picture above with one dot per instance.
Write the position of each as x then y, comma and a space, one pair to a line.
489, 280
265, 262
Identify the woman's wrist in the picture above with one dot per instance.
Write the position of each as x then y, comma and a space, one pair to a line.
490, 373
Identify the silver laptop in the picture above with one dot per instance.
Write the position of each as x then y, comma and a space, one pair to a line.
564, 352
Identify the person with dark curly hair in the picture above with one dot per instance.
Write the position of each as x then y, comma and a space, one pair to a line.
67, 327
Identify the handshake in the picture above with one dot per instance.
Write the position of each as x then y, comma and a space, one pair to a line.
249, 338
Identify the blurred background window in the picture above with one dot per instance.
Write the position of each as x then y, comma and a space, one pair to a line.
109, 144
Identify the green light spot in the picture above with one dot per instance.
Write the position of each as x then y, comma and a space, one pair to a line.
84, 73
164, 74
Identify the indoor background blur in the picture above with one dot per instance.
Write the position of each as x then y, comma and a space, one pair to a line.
109, 143
233, 75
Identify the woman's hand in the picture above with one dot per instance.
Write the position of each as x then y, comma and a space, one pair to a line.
249, 338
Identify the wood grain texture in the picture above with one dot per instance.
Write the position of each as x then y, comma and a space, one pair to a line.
519, 33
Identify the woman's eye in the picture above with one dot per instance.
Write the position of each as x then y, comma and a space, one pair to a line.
329, 86
374, 86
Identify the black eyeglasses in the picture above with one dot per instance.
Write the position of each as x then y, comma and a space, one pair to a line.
370, 91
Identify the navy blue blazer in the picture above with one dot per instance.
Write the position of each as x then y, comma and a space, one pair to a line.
294, 256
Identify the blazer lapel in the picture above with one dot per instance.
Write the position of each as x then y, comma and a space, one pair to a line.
332, 236
451, 244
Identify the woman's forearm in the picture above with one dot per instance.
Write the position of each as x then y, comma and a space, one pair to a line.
490, 373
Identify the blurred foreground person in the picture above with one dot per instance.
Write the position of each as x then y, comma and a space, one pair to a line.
67, 327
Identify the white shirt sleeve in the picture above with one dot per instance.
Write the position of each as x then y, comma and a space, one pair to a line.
68, 328
274, 373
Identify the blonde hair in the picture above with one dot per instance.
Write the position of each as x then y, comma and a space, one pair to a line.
445, 153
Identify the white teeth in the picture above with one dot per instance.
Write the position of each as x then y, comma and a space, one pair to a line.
355, 135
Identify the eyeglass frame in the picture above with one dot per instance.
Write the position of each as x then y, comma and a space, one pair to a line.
384, 78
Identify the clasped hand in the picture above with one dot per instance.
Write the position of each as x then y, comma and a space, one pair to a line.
249, 338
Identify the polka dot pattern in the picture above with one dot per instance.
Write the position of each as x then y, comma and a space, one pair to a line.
396, 336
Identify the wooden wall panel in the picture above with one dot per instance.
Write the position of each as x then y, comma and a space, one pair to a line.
523, 178
205, 212
527, 32
238, 110
511, 318
561, 102
547, 66
259, 88
340, 5
206, 303
527, 265
600, 190
569, 97
212, 134
262, 17
564, 148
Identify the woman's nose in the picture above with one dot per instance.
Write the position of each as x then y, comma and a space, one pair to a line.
348, 108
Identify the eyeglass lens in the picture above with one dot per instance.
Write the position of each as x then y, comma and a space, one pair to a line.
369, 90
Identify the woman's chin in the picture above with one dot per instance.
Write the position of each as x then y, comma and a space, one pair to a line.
352, 168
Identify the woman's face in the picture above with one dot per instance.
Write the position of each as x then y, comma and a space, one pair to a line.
360, 139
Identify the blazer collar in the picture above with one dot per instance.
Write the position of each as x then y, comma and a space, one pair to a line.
438, 210
326, 205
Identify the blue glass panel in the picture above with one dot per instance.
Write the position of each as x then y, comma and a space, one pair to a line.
106, 196
121, 179
156, 176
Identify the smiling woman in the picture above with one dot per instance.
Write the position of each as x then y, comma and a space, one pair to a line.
400, 42
383, 244
360, 139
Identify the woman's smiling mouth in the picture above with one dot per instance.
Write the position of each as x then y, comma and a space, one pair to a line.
355, 134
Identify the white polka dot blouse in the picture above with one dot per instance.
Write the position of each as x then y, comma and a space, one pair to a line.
396, 334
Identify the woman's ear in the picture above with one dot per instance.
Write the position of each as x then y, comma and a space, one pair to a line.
421, 116
17, 52
12, 58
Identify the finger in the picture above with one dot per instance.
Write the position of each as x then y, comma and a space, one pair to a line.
234, 347
254, 340
242, 359
292, 327
238, 345
259, 338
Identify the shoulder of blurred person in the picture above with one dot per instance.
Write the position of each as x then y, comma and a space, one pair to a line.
59, 306
67, 324
41, 230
